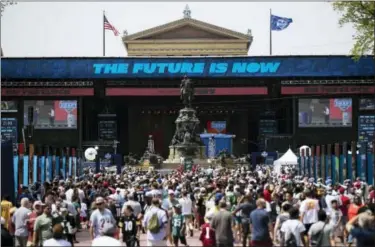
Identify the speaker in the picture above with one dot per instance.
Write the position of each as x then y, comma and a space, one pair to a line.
7, 171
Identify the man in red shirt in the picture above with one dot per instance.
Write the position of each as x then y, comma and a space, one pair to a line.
207, 237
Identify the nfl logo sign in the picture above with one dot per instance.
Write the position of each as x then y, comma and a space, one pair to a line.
219, 126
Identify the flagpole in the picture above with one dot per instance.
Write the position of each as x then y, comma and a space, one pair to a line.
103, 34
270, 32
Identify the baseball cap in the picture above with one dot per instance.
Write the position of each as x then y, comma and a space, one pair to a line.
38, 203
177, 205
99, 200
170, 192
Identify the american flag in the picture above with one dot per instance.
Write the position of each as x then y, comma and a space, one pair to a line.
109, 26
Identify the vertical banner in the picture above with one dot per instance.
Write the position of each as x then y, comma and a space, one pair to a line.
370, 168
15, 167
362, 154
47, 165
349, 160
317, 162
57, 166
333, 165
336, 166
50, 169
26, 170
303, 162
308, 161
329, 163
63, 169
74, 167
353, 148
344, 164
341, 168
43, 173
323, 162
313, 163
299, 165
70, 165
35, 170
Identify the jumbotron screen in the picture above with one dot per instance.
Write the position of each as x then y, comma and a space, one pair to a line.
325, 112
52, 114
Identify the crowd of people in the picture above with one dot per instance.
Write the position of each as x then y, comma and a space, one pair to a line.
224, 207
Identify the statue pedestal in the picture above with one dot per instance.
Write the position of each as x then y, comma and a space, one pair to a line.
179, 151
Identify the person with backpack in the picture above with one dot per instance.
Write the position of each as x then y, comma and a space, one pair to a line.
321, 233
293, 230
156, 223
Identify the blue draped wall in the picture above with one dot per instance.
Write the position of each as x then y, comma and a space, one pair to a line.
222, 142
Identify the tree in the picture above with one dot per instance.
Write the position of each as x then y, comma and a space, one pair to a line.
361, 14
5, 3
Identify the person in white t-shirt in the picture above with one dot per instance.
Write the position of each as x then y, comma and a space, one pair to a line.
309, 209
187, 210
293, 227
58, 238
106, 238
100, 218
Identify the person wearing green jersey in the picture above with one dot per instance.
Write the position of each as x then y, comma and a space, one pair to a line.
178, 226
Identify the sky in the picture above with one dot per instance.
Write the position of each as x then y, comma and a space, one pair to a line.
57, 29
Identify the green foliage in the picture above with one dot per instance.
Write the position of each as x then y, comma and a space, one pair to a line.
361, 14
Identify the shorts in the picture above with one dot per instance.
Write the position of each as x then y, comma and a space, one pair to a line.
181, 238
307, 227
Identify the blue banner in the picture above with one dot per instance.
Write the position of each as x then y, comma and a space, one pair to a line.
43, 172
342, 163
70, 166
15, 167
50, 168
57, 166
26, 170
63, 169
370, 168
120, 68
35, 169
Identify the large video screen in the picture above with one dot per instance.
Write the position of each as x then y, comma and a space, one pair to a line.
52, 114
318, 113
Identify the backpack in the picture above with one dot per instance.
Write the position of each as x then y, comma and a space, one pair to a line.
291, 241
153, 224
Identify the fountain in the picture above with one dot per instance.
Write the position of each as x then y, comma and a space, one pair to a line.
186, 142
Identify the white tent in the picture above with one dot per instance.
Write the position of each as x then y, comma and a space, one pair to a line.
289, 158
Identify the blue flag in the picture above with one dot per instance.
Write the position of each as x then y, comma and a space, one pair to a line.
279, 23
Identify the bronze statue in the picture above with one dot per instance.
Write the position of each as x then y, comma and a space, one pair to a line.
187, 91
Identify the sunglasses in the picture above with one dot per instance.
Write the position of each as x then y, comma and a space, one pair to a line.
100, 203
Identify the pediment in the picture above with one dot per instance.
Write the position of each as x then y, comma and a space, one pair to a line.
187, 28
187, 32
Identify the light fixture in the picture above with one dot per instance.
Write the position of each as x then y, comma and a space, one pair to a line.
96, 148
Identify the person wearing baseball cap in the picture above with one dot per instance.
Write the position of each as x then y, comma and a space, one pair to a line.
100, 217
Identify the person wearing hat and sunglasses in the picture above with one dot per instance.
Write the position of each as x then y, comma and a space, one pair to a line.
100, 217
